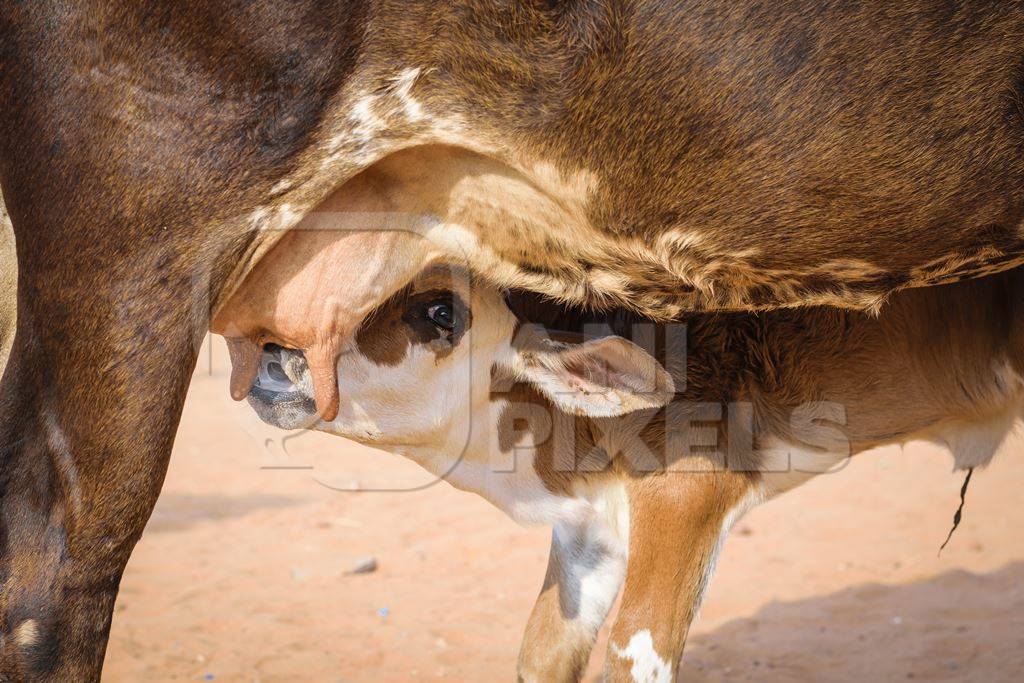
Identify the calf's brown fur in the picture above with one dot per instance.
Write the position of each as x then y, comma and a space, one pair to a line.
791, 394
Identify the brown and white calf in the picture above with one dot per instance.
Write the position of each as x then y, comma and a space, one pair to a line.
642, 453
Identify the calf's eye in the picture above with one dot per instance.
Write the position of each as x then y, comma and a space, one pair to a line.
442, 314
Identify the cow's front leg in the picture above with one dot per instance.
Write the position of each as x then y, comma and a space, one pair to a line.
677, 524
585, 570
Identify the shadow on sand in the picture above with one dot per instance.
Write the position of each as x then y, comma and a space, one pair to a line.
957, 626
175, 512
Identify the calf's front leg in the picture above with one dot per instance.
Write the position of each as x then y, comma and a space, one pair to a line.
585, 570
677, 524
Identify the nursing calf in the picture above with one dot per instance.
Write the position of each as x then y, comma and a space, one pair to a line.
643, 443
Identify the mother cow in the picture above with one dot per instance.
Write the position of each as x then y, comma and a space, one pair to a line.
663, 154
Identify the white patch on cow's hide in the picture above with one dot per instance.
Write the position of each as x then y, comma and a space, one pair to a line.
360, 132
512, 486
593, 566
451, 129
647, 667
65, 461
286, 217
258, 217
394, 406
610, 504
411, 107
391, 109
520, 494
282, 186
274, 219
26, 634
367, 124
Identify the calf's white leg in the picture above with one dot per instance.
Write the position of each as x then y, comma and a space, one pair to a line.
585, 571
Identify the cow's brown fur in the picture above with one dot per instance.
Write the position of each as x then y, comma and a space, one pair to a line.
699, 154
828, 126
935, 356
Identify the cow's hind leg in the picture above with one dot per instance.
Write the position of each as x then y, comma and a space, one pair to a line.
585, 570
677, 523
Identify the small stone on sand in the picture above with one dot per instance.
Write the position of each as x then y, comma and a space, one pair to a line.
366, 565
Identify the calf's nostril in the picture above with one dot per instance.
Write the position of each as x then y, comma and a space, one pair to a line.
277, 373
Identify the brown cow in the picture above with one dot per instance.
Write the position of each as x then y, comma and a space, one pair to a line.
660, 154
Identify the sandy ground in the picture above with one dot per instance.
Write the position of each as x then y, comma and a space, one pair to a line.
8, 284
241, 574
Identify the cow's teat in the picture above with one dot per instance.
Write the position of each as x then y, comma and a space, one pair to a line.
318, 283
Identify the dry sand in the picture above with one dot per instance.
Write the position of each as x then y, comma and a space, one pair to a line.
8, 285
241, 574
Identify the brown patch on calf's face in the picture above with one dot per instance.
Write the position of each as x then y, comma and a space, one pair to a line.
403, 320
562, 445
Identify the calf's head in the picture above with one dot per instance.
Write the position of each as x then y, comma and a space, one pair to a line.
423, 362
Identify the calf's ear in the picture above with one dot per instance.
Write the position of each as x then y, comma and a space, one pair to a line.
603, 377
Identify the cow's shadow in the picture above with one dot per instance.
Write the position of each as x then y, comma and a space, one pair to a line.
957, 626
